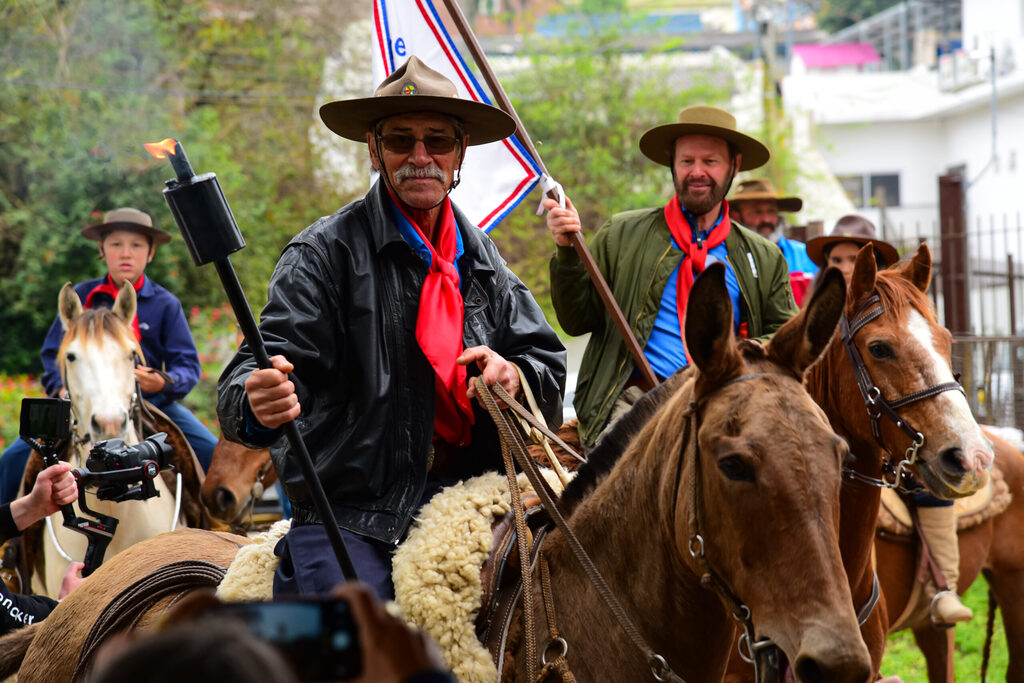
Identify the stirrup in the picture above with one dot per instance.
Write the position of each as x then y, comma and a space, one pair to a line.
936, 622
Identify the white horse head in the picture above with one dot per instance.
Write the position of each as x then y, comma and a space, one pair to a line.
97, 360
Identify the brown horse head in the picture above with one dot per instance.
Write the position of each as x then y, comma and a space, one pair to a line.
727, 493
906, 351
235, 481
767, 451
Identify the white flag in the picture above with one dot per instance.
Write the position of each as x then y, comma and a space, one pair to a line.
495, 176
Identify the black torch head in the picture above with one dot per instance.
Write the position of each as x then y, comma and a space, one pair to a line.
201, 211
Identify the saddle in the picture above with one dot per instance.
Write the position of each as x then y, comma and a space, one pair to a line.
894, 518
501, 576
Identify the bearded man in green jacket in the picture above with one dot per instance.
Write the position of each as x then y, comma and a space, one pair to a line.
643, 253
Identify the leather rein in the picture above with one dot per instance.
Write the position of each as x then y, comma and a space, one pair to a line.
878, 406
514, 447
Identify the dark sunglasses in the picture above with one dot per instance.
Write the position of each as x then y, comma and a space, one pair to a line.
399, 143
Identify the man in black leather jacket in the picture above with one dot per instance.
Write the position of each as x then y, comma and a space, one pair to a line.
380, 313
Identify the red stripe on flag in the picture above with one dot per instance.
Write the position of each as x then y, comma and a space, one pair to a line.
380, 39
444, 46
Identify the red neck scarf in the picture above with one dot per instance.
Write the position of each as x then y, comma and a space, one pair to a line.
439, 330
694, 254
110, 289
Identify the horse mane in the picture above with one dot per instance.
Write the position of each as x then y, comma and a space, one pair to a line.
897, 293
94, 325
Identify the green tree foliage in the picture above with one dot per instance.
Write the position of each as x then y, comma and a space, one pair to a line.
835, 15
585, 99
85, 82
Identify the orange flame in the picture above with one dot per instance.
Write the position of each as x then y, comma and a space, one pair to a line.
161, 149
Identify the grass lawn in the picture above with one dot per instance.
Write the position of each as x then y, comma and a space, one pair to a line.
903, 659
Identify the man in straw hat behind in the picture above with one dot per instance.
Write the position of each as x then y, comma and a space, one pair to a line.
127, 242
382, 312
757, 206
650, 258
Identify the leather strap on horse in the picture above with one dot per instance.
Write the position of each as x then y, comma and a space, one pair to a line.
510, 437
877, 405
559, 665
125, 610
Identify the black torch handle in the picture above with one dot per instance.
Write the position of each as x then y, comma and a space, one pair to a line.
251, 332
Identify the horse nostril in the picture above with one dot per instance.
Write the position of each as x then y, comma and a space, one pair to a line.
223, 499
953, 460
95, 426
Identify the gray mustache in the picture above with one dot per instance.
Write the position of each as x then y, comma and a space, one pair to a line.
409, 171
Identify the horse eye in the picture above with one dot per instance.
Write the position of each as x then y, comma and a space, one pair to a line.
880, 350
70, 357
734, 468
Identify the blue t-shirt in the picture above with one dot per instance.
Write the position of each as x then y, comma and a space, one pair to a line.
797, 258
664, 350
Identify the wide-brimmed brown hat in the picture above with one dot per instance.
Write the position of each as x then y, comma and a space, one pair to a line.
762, 189
852, 228
415, 87
128, 219
658, 143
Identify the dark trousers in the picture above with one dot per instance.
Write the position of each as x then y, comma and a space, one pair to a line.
308, 565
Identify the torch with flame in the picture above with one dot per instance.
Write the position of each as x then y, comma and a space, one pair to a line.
212, 235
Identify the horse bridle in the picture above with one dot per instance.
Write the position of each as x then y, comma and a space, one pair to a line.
878, 406
757, 651
135, 406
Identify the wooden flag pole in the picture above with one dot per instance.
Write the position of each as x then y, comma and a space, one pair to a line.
647, 374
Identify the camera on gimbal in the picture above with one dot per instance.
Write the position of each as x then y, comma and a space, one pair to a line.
117, 472
113, 467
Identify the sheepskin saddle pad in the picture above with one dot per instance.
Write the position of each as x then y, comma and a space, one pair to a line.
989, 501
436, 570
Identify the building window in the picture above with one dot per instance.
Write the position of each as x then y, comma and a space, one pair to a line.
864, 189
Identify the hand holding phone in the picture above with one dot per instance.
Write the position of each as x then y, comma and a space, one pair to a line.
392, 651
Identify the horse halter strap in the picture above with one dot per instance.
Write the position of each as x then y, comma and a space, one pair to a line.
755, 649
514, 448
877, 405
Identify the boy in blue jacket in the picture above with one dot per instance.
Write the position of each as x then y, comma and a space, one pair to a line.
127, 242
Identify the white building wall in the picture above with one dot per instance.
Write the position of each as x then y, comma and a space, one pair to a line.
994, 23
908, 149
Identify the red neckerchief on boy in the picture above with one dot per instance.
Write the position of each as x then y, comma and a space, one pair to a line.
694, 254
439, 328
110, 289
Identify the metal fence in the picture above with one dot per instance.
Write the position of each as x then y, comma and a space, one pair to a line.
978, 291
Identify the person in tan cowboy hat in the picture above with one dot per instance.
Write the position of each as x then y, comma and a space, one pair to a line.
127, 241
650, 258
757, 207
381, 313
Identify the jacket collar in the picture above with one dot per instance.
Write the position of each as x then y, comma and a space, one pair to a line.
383, 231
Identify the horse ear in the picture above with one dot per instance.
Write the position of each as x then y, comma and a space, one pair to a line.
799, 343
865, 270
69, 306
124, 304
919, 269
710, 343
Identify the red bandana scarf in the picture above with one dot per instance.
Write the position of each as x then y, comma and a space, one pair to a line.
439, 330
110, 289
695, 254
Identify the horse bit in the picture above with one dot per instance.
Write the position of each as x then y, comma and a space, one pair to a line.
878, 406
